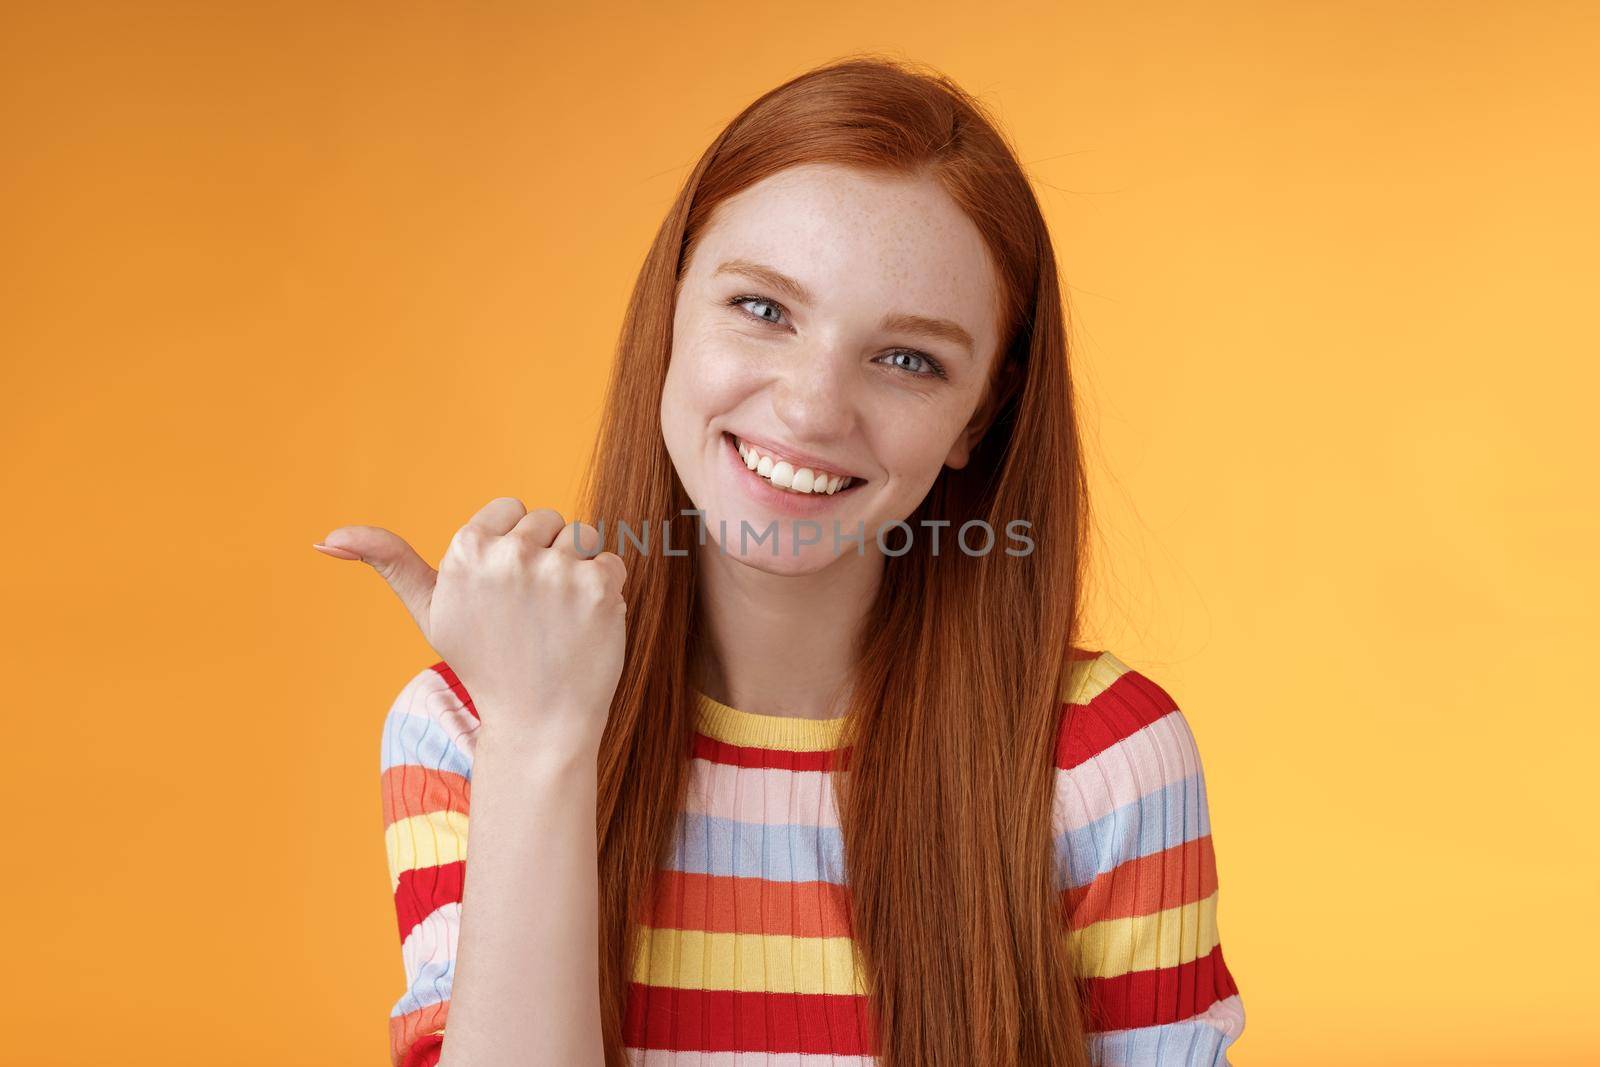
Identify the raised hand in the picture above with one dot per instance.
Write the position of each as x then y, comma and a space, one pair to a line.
532, 624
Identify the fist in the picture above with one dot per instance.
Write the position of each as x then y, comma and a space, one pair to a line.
524, 607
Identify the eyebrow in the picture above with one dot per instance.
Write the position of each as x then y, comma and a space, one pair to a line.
900, 322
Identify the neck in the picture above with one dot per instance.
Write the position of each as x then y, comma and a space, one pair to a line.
783, 644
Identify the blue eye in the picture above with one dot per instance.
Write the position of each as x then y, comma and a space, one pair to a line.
924, 365
739, 301
922, 359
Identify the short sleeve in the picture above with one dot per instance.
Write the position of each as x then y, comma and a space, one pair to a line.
1138, 873
426, 780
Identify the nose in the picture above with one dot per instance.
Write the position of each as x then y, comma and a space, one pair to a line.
814, 397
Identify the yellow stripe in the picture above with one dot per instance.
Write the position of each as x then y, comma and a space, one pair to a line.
424, 841
747, 963
1167, 938
782, 732
1088, 678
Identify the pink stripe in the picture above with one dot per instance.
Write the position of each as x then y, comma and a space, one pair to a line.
1144, 762
433, 940
429, 696
666, 1058
1226, 1015
761, 795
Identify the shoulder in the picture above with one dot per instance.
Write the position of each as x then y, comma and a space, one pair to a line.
1129, 782
431, 723
1109, 707
1137, 868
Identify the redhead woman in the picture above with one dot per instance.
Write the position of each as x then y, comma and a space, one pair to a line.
782, 751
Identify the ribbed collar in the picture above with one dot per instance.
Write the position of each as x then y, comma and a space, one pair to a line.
782, 732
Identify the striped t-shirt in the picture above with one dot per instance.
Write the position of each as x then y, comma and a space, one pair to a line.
747, 960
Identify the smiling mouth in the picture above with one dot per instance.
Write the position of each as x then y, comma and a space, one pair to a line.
786, 476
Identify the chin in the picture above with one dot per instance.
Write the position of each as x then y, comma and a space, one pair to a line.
809, 561
785, 559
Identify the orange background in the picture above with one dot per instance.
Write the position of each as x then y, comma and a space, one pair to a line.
273, 268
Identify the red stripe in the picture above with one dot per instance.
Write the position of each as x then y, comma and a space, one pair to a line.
709, 748
1160, 995
1122, 709
411, 789
455, 685
423, 889
723, 1020
412, 1042
726, 904
425, 1053
1170, 878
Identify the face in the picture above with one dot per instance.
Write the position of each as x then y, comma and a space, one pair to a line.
842, 325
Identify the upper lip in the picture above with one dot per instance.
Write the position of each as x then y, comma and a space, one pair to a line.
795, 458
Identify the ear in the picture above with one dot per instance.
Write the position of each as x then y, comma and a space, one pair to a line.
972, 433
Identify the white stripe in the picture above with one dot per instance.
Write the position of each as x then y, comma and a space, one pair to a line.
768, 796
1146, 761
433, 940
428, 696
664, 1058
1199, 1041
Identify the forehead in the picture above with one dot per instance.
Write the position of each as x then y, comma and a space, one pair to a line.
860, 240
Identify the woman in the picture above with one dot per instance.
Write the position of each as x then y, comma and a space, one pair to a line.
849, 319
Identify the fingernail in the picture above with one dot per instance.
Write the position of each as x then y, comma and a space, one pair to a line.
336, 553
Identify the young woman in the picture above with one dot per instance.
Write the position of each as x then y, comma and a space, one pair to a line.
856, 797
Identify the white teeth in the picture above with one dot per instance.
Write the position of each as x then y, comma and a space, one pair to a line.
786, 476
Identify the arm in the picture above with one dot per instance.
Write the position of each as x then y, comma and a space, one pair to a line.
429, 739
511, 963
528, 982
1139, 876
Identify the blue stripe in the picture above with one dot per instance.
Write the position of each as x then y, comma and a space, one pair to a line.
1185, 1044
1158, 820
706, 844
430, 986
413, 739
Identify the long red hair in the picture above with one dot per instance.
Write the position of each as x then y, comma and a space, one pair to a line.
945, 806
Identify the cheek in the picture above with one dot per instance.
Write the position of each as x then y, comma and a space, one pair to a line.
706, 382
709, 375
913, 445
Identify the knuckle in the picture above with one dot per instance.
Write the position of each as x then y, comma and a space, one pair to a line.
522, 546
586, 539
546, 565
596, 588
